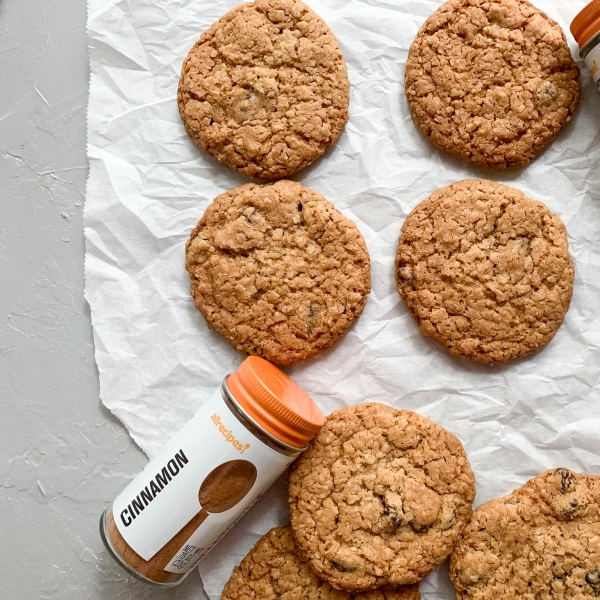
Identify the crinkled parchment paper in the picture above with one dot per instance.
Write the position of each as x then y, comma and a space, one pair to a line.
149, 185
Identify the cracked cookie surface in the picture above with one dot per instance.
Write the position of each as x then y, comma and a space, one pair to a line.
380, 496
491, 81
540, 541
278, 270
485, 271
275, 569
265, 89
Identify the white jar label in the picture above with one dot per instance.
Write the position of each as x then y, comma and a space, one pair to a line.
165, 496
592, 60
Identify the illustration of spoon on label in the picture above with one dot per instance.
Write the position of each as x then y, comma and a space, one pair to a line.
223, 488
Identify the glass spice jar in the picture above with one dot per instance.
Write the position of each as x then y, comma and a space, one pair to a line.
230, 452
586, 31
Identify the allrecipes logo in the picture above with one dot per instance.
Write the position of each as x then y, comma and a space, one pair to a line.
228, 435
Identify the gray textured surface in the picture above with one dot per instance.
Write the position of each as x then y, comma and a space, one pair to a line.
63, 457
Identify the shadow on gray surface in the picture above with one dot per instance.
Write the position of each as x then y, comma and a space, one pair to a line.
113, 583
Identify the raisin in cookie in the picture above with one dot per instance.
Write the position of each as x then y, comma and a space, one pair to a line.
491, 81
277, 270
265, 89
485, 271
275, 569
380, 496
541, 541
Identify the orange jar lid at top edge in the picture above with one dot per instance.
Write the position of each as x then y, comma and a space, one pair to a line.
275, 402
586, 24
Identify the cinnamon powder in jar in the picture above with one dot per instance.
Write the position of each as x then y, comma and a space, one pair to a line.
209, 474
585, 28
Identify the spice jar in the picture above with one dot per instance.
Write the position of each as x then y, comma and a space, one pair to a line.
586, 31
230, 452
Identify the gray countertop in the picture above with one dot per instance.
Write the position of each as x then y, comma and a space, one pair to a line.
63, 456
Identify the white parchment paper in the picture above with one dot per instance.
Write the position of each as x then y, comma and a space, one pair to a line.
149, 185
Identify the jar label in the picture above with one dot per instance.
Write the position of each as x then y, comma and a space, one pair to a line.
592, 60
204, 479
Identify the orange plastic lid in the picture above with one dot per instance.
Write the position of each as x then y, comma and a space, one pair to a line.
586, 24
275, 402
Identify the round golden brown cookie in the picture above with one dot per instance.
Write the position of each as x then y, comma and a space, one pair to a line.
485, 271
265, 89
275, 569
491, 81
277, 270
541, 541
380, 496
